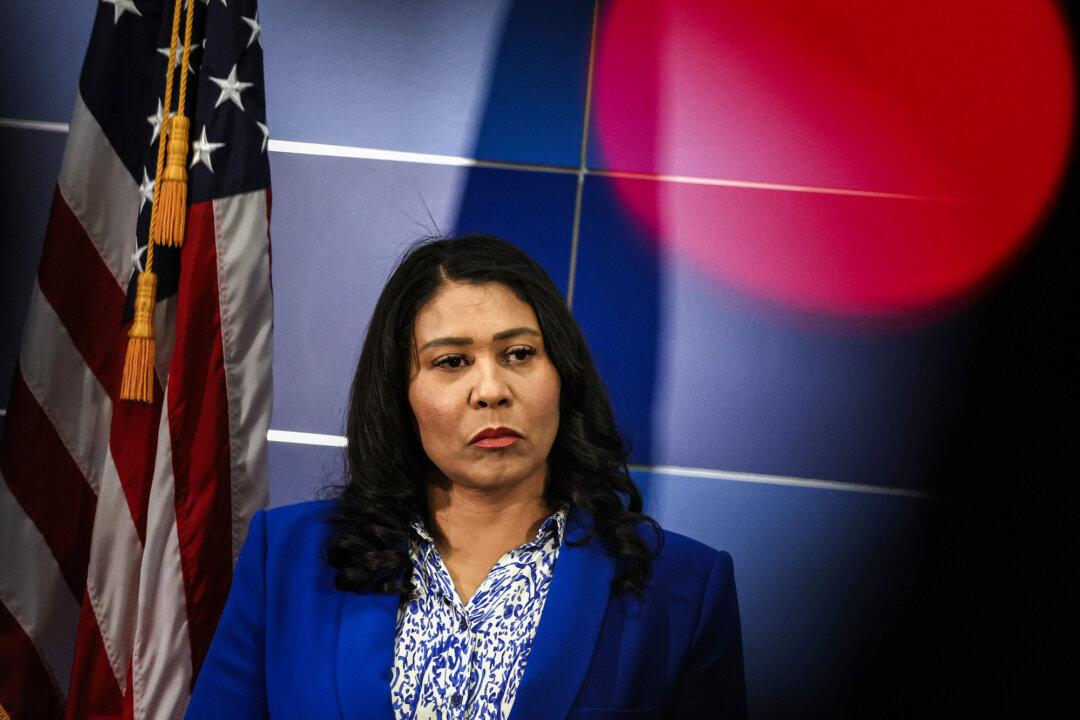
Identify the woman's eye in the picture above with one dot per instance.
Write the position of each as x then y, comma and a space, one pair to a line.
450, 361
520, 353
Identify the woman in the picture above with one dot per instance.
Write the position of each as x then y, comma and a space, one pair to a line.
487, 557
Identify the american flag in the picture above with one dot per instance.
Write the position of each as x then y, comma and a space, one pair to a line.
119, 520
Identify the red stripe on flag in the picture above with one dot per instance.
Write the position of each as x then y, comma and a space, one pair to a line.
84, 294
77, 283
48, 484
93, 692
133, 442
26, 690
199, 424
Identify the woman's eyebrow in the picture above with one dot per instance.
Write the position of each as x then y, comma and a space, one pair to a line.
504, 334
512, 332
447, 341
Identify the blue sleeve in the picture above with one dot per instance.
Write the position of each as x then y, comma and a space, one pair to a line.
232, 681
712, 683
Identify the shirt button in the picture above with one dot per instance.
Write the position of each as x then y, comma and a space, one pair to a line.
463, 625
456, 699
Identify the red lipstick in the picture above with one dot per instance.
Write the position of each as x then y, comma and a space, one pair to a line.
495, 438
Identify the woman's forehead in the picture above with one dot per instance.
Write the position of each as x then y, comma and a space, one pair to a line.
472, 310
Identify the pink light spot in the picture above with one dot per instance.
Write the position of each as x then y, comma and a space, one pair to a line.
938, 131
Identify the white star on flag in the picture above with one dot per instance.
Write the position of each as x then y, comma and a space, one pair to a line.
266, 134
179, 55
201, 150
137, 256
146, 190
155, 121
122, 6
230, 88
256, 30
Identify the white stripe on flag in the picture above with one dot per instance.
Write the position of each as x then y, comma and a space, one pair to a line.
100, 192
65, 388
247, 312
33, 590
162, 659
112, 580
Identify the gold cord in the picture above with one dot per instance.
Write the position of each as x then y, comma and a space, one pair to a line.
137, 380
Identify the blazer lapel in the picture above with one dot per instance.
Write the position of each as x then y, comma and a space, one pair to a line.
563, 646
365, 655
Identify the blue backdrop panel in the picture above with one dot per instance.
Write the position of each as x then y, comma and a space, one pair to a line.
339, 227
858, 604
41, 51
499, 81
29, 166
707, 377
298, 473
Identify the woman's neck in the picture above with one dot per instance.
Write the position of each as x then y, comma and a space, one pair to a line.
474, 527
470, 522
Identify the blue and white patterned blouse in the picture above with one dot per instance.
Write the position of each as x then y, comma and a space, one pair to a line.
466, 662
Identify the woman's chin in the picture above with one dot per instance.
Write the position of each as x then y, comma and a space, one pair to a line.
496, 474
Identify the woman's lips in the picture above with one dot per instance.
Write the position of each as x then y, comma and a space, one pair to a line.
496, 443
495, 438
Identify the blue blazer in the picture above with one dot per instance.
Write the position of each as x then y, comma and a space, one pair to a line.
290, 644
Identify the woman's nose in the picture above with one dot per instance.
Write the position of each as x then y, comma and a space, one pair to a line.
491, 389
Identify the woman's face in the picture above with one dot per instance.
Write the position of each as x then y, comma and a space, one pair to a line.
483, 366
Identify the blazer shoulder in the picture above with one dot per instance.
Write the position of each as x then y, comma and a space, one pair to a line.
685, 558
295, 530
300, 513
288, 543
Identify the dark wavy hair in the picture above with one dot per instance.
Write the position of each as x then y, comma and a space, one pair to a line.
386, 476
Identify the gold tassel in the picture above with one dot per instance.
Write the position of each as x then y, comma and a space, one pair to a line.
173, 193
138, 381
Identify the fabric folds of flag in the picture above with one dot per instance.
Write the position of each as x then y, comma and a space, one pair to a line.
119, 520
